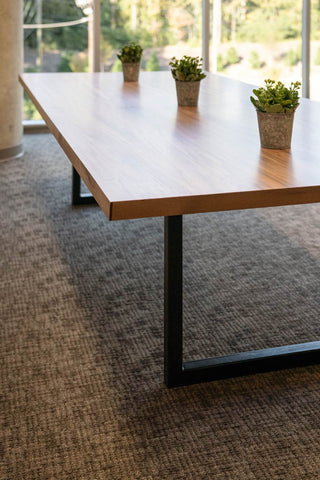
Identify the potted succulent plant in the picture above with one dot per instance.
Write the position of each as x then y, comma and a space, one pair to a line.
275, 105
187, 73
130, 56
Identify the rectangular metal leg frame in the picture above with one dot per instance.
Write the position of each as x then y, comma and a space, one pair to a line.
79, 198
177, 372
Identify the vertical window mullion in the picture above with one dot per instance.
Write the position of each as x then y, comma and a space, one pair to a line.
96, 35
206, 34
306, 21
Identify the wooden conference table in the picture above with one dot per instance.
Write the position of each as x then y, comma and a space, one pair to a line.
142, 156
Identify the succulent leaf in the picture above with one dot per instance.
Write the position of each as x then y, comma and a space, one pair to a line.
130, 53
187, 69
275, 97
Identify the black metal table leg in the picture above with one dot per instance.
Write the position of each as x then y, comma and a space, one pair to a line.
173, 300
176, 372
79, 198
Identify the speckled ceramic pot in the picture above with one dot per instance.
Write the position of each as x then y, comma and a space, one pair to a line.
187, 93
275, 129
131, 72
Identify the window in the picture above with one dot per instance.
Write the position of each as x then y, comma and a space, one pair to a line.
55, 39
257, 40
315, 51
163, 28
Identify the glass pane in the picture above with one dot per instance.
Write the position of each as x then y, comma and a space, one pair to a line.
315, 51
163, 28
60, 48
258, 40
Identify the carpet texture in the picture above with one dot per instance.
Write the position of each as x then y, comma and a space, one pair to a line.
81, 338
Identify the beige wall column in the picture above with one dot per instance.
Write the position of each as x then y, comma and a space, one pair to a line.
10, 66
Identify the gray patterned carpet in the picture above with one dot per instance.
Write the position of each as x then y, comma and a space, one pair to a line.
81, 338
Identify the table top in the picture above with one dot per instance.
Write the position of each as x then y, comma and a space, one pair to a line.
141, 155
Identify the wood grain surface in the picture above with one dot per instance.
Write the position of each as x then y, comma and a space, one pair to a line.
141, 155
